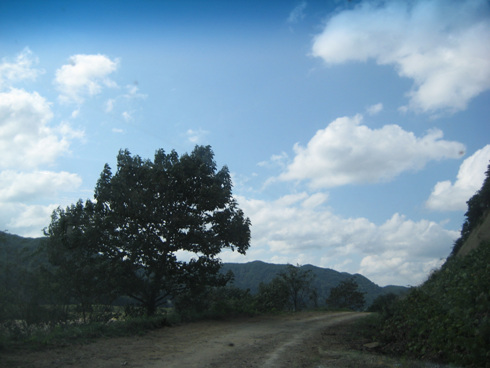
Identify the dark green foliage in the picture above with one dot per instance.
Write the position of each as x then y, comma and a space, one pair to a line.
346, 296
251, 275
290, 289
272, 296
478, 205
152, 210
126, 243
216, 303
80, 274
21, 283
447, 318
297, 282
384, 304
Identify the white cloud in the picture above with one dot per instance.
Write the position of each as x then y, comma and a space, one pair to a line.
196, 136
26, 139
127, 116
298, 13
298, 228
85, 75
20, 69
26, 220
109, 105
275, 160
28, 186
133, 92
375, 109
441, 44
347, 152
447, 196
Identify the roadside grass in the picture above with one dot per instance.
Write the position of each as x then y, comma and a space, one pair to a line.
359, 347
40, 337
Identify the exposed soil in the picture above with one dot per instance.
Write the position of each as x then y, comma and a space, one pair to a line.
309, 340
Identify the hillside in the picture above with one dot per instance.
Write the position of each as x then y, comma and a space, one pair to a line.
448, 317
478, 236
14, 250
250, 275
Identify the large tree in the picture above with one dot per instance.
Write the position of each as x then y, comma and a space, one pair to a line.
165, 221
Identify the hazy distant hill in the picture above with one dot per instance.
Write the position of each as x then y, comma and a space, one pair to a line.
250, 275
15, 249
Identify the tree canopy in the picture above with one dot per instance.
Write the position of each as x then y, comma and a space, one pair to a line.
160, 224
290, 288
346, 295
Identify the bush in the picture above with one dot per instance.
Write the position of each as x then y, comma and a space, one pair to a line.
215, 302
384, 304
448, 317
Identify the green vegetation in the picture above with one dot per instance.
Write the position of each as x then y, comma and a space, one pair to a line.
478, 207
346, 296
123, 247
448, 317
127, 241
290, 289
251, 275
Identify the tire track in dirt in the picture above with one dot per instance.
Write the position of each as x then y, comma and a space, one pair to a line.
265, 341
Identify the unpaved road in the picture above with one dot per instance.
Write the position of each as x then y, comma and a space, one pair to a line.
297, 340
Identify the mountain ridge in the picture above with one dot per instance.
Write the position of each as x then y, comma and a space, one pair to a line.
246, 275
250, 275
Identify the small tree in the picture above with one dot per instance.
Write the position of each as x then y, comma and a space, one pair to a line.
272, 296
80, 273
346, 296
298, 285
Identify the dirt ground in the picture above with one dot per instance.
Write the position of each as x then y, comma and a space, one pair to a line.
309, 340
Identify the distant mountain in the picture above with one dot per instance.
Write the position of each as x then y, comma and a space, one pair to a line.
15, 251
250, 275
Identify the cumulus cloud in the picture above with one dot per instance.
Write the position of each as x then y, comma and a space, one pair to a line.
85, 75
24, 219
299, 228
19, 69
28, 186
29, 141
442, 45
26, 138
447, 196
348, 152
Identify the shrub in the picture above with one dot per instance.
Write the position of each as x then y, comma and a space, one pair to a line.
448, 317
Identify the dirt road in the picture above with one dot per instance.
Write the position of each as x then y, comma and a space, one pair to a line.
296, 340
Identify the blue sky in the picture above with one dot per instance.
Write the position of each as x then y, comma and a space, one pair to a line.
355, 131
